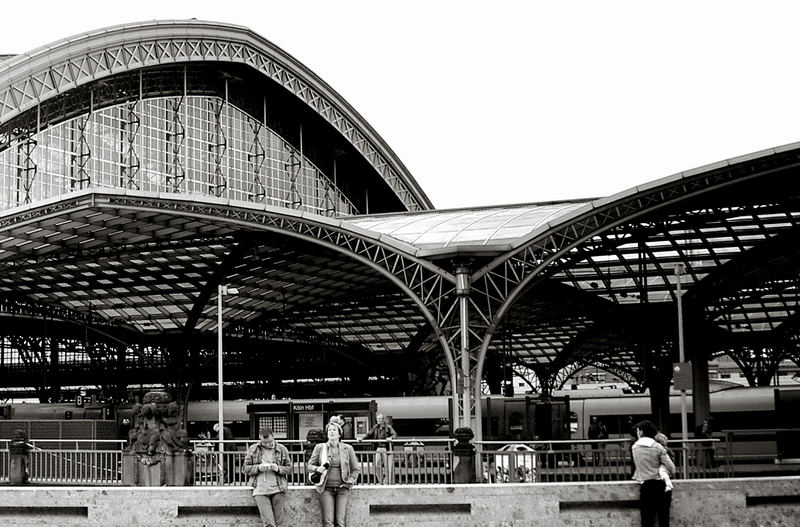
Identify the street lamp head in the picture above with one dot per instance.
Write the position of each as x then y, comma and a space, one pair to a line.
228, 290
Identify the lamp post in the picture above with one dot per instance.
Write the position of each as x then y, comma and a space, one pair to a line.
222, 290
679, 268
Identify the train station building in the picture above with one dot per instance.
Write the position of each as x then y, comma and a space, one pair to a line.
164, 185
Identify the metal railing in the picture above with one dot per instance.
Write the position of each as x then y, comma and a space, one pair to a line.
75, 467
594, 460
403, 463
4, 464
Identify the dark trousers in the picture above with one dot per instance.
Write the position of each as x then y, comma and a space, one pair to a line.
654, 502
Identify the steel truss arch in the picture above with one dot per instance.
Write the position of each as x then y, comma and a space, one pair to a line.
499, 283
421, 281
29, 79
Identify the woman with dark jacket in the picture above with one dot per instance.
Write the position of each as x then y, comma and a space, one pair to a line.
338, 470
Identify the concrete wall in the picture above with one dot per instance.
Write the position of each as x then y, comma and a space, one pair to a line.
695, 503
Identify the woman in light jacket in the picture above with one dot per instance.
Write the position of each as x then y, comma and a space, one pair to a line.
339, 469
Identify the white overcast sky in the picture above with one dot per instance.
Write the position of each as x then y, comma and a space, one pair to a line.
514, 102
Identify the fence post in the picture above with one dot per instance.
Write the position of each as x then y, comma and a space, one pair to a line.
18, 458
464, 452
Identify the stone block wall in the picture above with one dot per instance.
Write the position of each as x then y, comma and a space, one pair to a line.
756, 501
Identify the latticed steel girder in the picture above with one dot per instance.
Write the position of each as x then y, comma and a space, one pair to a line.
113, 51
427, 282
758, 364
427, 285
498, 285
612, 364
542, 380
508, 275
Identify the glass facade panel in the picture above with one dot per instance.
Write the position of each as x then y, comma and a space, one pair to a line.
193, 145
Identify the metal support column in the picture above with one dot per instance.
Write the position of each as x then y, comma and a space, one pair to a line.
81, 152
679, 300
463, 393
219, 146
256, 156
176, 139
129, 161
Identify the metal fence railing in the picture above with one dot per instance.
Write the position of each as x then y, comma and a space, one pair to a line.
75, 467
4, 465
403, 463
596, 460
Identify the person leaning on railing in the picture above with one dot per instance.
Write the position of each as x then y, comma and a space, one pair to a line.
267, 464
384, 431
334, 469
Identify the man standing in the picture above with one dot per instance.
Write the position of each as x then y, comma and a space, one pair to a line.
648, 456
267, 464
597, 430
228, 460
385, 432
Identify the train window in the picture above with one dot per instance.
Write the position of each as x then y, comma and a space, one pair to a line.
573, 422
515, 422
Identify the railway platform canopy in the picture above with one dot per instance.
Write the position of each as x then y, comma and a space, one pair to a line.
144, 166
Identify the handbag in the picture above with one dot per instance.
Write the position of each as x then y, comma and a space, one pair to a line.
316, 477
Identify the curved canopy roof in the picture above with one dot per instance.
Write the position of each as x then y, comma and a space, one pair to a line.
104, 275
148, 265
475, 231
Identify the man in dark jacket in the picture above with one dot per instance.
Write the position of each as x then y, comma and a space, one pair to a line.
383, 431
597, 430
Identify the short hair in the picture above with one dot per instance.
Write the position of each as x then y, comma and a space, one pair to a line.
265, 431
647, 428
335, 426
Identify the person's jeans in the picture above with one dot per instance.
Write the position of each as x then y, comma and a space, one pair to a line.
654, 502
271, 509
383, 466
334, 507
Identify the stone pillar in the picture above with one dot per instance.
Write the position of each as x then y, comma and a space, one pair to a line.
18, 458
159, 452
174, 469
464, 456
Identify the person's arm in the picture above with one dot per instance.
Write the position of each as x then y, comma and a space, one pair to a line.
284, 466
355, 466
313, 461
250, 467
666, 461
371, 433
392, 433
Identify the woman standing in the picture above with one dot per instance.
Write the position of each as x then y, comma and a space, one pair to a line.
338, 468
648, 456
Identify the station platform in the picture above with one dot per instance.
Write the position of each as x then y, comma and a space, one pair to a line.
714, 502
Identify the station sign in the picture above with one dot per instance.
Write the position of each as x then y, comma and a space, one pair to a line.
306, 407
